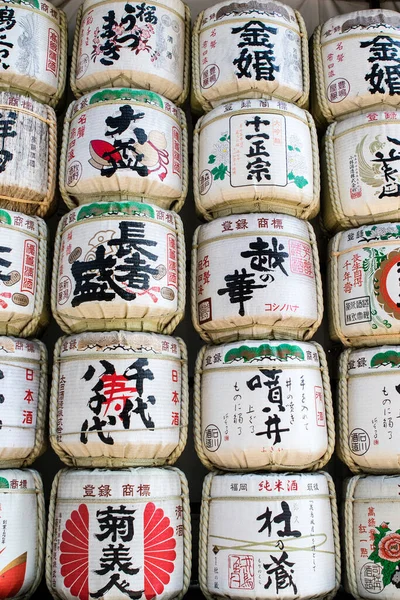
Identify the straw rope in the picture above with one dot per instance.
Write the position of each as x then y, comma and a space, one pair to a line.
321, 112
63, 159
187, 533
305, 62
186, 64
334, 216
343, 414
72, 78
350, 559
196, 88
62, 78
168, 325
204, 529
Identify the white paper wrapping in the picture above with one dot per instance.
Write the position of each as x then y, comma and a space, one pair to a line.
262, 405
362, 182
369, 39
136, 515
368, 430
119, 395
23, 385
118, 265
122, 143
23, 249
364, 280
131, 44
33, 49
254, 156
268, 536
372, 532
254, 275
252, 49
22, 532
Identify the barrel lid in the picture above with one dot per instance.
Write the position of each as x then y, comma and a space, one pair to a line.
12, 347
359, 21
280, 13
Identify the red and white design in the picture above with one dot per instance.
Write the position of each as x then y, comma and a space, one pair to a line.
159, 554
74, 553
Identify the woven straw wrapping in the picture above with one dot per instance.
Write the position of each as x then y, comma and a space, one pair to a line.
386, 330
268, 198
187, 533
204, 529
155, 194
17, 197
29, 325
32, 86
75, 323
198, 98
277, 330
357, 137
270, 466
40, 443
124, 79
120, 462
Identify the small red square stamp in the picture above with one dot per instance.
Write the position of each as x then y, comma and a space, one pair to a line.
241, 571
301, 259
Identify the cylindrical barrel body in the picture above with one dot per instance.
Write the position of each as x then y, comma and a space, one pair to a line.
123, 144
372, 538
23, 271
119, 265
137, 517
364, 299
356, 58
256, 156
254, 49
22, 521
118, 43
119, 399
33, 50
263, 405
265, 536
255, 276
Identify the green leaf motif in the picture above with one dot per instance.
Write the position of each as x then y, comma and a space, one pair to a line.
299, 180
387, 572
211, 159
290, 148
219, 172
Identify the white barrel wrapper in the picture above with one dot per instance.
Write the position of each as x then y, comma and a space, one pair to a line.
372, 537
252, 49
29, 154
364, 285
269, 536
23, 252
255, 275
131, 44
263, 405
119, 399
33, 49
121, 144
23, 389
142, 513
369, 430
119, 266
369, 39
22, 521
362, 184
255, 156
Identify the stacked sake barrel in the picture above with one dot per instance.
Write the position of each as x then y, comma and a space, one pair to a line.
262, 400
119, 398
32, 80
356, 64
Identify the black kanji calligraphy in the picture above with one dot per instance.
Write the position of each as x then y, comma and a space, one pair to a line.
284, 517
280, 571
116, 523
272, 428
266, 257
116, 557
272, 383
391, 186
383, 78
4, 263
240, 288
7, 22
251, 61
7, 130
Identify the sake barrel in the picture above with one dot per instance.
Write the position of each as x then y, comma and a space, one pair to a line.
254, 156
250, 50
268, 536
361, 184
255, 276
119, 265
29, 154
119, 43
274, 408
364, 307
371, 536
122, 144
23, 256
23, 399
33, 49
22, 532
119, 399
140, 517
369, 39
368, 436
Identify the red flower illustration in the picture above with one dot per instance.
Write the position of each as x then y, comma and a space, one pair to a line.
74, 553
389, 547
